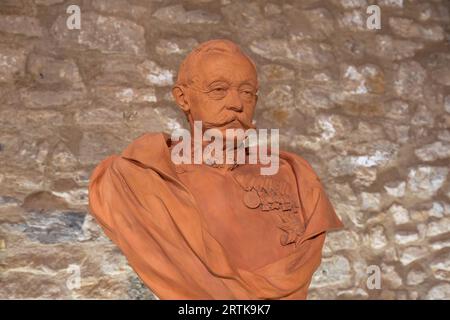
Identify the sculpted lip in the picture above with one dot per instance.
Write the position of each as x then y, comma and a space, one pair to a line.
234, 124
263, 146
237, 123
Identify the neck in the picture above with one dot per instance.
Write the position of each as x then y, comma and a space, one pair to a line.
225, 158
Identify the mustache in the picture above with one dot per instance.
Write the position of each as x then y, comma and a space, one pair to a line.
227, 120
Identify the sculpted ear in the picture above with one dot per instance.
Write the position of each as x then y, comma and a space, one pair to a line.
179, 95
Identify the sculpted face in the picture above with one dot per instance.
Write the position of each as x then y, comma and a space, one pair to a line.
222, 93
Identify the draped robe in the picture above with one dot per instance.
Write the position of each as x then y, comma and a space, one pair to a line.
158, 222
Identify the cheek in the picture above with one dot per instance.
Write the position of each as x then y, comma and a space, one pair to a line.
204, 108
249, 110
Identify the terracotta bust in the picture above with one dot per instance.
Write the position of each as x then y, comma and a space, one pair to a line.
215, 229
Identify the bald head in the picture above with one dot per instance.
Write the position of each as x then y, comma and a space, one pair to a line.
190, 66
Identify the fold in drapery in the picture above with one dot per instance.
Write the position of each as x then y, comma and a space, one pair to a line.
153, 218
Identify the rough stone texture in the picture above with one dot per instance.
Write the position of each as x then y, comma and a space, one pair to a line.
370, 110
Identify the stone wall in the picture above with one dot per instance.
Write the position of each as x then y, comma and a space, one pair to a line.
369, 109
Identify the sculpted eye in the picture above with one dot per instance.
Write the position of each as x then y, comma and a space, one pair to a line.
247, 93
218, 92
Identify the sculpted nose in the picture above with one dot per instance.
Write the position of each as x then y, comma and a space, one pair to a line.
237, 107
234, 102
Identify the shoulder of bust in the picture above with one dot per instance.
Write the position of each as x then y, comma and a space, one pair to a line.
147, 149
302, 168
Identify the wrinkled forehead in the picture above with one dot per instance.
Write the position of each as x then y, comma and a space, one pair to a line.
234, 68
